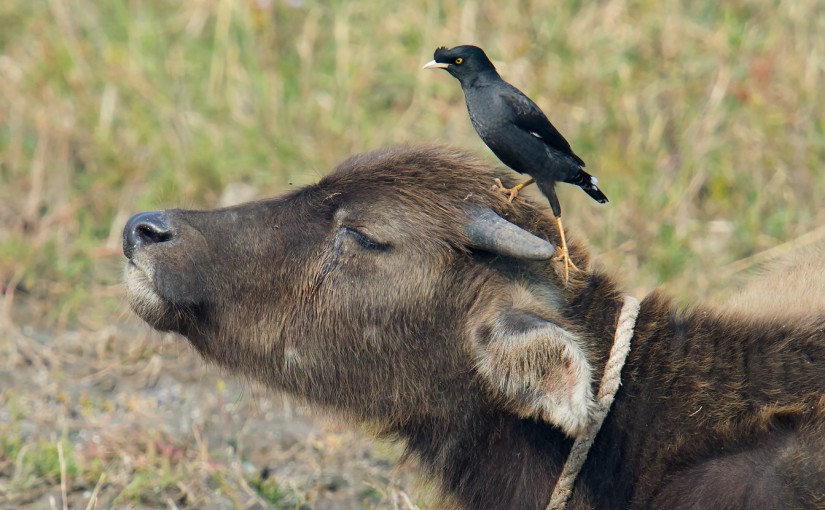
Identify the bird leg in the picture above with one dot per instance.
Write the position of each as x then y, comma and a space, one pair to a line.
513, 192
565, 255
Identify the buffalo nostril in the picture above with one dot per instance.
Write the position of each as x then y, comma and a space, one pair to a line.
144, 229
150, 234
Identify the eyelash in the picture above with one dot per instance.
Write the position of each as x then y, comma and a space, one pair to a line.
366, 241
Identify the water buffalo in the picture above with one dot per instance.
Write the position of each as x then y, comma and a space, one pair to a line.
370, 294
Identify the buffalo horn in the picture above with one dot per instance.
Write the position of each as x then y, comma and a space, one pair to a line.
490, 232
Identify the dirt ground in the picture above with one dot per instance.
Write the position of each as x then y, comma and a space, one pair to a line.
122, 417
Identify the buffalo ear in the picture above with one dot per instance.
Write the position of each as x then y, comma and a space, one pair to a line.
537, 367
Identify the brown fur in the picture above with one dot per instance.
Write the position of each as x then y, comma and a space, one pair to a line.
477, 361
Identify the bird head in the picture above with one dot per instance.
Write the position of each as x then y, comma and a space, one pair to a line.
463, 62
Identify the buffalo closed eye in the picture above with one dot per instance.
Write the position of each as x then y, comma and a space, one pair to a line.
366, 241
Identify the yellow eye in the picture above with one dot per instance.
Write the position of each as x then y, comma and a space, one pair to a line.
458, 61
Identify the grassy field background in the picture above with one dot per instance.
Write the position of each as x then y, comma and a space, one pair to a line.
704, 120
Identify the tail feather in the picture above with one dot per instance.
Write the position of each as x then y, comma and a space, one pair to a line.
590, 186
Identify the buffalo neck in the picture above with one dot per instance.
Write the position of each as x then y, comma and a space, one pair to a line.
691, 379
524, 455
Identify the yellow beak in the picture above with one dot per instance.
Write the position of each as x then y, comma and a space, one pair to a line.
432, 64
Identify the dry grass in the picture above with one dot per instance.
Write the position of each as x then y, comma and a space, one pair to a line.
705, 122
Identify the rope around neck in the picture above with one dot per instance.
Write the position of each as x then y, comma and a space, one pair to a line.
611, 379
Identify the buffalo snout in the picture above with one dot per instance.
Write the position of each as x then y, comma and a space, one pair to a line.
144, 229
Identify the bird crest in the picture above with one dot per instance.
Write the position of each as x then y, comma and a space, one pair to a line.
439, 52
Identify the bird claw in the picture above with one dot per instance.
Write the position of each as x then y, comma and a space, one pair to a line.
564, 257
512, 192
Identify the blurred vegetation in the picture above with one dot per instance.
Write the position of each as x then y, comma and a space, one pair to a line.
704, 120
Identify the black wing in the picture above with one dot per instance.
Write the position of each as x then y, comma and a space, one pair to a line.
529, 117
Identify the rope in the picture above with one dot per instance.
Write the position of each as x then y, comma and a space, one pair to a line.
611, 379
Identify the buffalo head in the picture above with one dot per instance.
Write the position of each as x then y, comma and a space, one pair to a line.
394, 290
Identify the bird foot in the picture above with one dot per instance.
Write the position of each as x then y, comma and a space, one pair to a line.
512, 192
564, 254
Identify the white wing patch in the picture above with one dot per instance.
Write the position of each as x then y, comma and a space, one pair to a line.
593, 180
536, 135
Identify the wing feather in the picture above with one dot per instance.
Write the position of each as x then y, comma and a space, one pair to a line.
529, 117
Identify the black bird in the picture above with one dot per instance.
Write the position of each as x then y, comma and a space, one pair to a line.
516, 130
